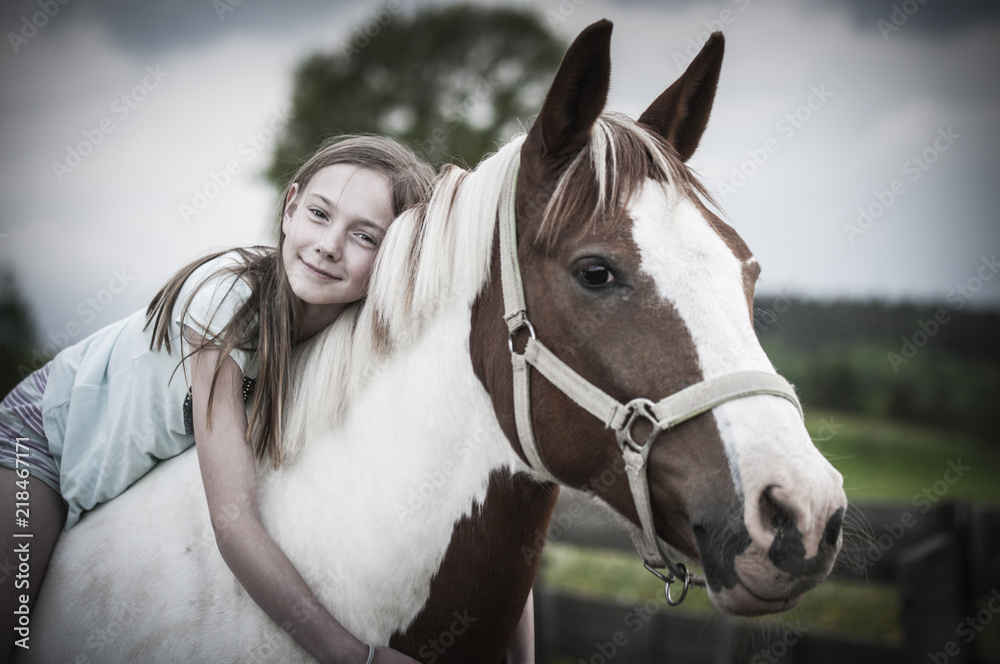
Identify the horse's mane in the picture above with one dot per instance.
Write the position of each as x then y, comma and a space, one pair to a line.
599, 182
435, 255
438, 253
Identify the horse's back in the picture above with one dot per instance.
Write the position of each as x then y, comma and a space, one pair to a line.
136, 579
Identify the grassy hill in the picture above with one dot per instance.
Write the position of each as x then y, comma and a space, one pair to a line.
926, 364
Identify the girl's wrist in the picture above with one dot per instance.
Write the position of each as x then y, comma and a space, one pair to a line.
347, 650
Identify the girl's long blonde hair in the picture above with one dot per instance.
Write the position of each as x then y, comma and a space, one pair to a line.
268, 321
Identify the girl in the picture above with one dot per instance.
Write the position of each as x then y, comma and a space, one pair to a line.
104, 411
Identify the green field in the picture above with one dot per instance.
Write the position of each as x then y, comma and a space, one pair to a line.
882, 461
888, 461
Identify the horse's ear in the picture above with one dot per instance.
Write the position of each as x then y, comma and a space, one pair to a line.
577, 96
680, 114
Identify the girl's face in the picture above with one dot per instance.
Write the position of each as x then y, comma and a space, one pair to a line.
333, 228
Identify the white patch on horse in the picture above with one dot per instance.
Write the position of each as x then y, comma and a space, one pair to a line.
764, 437
328, 515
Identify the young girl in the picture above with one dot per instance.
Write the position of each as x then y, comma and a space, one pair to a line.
103, 412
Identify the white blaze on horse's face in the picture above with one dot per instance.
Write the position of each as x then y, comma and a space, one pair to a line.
775, 466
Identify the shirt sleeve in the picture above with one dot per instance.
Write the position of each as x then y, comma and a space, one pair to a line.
214, 300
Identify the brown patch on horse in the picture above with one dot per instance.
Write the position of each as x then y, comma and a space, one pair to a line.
479, 592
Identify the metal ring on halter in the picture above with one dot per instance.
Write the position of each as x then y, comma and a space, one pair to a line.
669, 579
510, 335
639, 408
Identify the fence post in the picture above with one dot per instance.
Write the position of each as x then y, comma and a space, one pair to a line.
931, 590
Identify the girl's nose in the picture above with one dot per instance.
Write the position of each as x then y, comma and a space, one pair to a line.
331, 243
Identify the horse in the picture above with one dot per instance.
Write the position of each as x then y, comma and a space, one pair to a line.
414, 483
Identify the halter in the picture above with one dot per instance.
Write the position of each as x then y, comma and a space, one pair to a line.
621, 418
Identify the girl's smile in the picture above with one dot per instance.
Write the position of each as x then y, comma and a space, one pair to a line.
319, 273
333, 228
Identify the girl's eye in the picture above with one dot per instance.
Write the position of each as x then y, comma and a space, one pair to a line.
595, 275
316, 212
367, 239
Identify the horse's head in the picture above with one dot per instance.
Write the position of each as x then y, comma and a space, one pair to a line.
636, 285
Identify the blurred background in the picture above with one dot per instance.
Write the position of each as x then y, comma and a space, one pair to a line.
854, 145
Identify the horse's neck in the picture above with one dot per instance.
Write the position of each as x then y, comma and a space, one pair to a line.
414, 455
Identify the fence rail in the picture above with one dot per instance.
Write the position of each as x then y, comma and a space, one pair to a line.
944, 558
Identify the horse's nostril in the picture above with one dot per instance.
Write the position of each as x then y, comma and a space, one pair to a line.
774, 513
831, 535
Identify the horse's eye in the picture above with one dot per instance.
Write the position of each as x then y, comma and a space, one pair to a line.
595, 276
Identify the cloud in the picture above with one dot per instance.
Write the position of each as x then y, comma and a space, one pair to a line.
148, 29
933, 18
227, 78
937, 18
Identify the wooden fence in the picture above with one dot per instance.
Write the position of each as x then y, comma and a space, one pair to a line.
945, 562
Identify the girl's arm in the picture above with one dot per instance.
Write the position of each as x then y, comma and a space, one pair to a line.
229, 474
521, 649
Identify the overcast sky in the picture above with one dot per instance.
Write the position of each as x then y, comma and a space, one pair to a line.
825, 109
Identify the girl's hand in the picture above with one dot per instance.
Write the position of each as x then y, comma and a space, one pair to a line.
390, 656
521, 649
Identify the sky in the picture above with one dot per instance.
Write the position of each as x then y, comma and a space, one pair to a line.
853, 144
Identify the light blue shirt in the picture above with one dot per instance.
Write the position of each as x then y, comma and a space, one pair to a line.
113, 408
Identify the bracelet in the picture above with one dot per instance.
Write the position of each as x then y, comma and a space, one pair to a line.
371, 653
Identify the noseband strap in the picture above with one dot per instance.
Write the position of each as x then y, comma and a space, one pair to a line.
623, 419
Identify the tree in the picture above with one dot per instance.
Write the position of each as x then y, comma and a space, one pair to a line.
17, 333
449, 81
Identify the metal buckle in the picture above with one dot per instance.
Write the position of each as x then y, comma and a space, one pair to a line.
669, 579
639, 408
510, 335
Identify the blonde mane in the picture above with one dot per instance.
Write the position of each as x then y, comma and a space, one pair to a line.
434, 256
